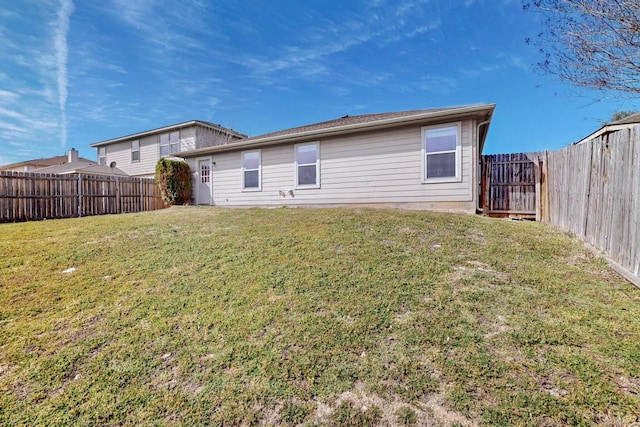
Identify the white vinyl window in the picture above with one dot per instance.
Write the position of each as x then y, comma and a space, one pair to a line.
251, 171
441, 153
307, 165
169, 143
135, 151
205, 173
102, 156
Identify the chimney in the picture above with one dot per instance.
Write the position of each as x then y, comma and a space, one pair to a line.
72, 156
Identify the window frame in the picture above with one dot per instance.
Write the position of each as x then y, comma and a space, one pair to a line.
244, 170
135, 151
298, 165
102, 155
176, 142
457, 177
169, 144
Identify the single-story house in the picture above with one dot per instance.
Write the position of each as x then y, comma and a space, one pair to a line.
31, 165
421, 159
138, 154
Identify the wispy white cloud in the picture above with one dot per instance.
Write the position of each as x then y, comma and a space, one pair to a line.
6, 95
62, 55
381, 24
168, 25
12, 114
9, 126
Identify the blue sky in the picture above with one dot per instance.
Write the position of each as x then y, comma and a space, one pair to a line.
76, 72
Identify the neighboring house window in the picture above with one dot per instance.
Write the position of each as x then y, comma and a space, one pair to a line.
307, 165
102, 156
251, 166
135, 151
441, 148
169, 143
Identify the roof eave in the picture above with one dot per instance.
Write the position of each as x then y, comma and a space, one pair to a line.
606, 129
451, 114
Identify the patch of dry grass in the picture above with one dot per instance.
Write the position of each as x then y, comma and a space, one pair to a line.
340, 317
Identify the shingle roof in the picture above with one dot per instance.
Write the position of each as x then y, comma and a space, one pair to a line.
49, 161
81, 167
350, 124
344, 121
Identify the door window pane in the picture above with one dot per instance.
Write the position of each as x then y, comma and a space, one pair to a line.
205, 173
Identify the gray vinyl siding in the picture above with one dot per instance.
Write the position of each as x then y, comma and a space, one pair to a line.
120, 153
188, 139
383, 167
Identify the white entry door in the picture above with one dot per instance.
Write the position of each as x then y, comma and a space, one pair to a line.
203, 195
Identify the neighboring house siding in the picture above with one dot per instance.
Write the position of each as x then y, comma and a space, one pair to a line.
191, 138
206, 137
120, 153
383, 167
188, 139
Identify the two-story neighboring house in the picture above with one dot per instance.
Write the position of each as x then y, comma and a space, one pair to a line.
137, 154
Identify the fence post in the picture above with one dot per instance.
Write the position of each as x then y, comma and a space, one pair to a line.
118, 198
538, 172
544, 189
486, 185
79, 195
141, 195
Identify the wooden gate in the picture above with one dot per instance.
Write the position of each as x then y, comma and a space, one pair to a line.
508, 185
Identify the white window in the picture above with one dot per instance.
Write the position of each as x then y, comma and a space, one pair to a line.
169, 143
135, 151
251, 166
441, 152
308, 165
102, 156
205, 173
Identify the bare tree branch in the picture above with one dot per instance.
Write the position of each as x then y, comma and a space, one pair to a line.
591, 43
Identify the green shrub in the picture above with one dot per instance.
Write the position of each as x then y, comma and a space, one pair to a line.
174, 179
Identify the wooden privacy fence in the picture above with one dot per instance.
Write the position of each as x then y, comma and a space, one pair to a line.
508, 185
594, 191
33, 196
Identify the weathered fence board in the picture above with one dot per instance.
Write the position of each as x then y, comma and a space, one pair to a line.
33, 196
594, 192
508, 185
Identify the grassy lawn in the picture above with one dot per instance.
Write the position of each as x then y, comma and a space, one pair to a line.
289, 316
